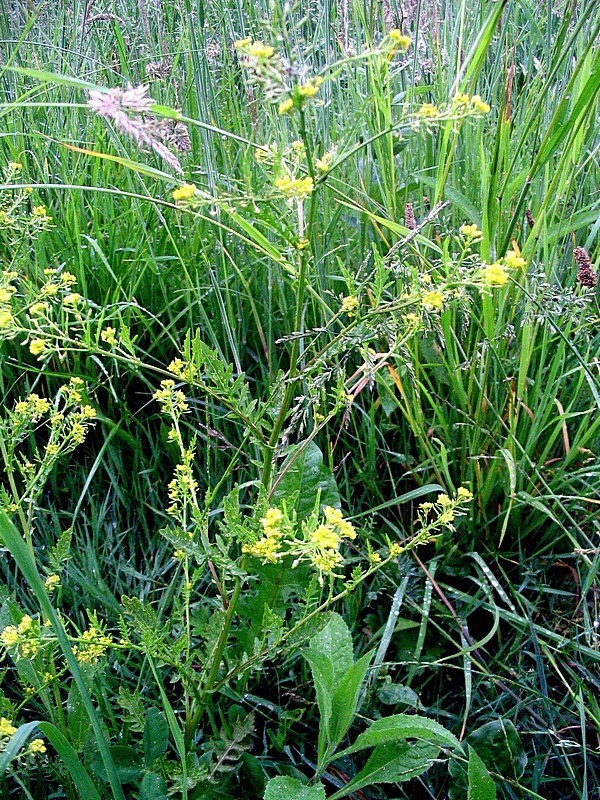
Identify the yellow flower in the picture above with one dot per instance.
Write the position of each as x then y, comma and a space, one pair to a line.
6, 294
325, 538
39, 211
295, 187
92, 645
428, 111
37, 309
374, 558
349, 305
108, 335
399, 38
479, 105
71, 299
185, 192
461, 99
51, 583
6, 727
335, 517
25, 625
471, 232
78, 433
327, 560
346, 530
495, 275
5, 318
37, 346
241, 43
464, 494
260, 50
10, 636
514, 261
433, 301
311, 87
286, 106
272, 518
267, 549
36, 746
15, 166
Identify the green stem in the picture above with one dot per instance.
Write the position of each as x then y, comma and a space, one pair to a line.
293, 378
212, 676
17, 499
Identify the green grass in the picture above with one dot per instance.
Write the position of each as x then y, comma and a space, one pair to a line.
499, 392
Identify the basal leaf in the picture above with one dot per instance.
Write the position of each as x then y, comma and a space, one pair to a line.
156, 736
291, 789
345, 699
153, 787
392, 763
403, 726
481, 783
330, 656
302, 476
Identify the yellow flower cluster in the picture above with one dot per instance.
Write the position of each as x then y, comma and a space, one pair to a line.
444, 511
22, 640
476, 104
310, 87
498, 273
257, 50
462, 104
183, 487
40, 211
33, 407
480, 105
92, 645
286, 106
109, 335
184, 370
319, 543
433, 301
52, 583
495, 274
268, 548
37, 346
324, 541
513, 261
183, 193
349, 305
300, 188
399, 39
6, 728
36, 747
428, 111
172, 401
471, 233
323, 164
7, 290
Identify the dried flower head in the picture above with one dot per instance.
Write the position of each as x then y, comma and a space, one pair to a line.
409, 217
586, 275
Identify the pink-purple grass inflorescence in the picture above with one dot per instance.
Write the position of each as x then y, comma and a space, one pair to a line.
124, 108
